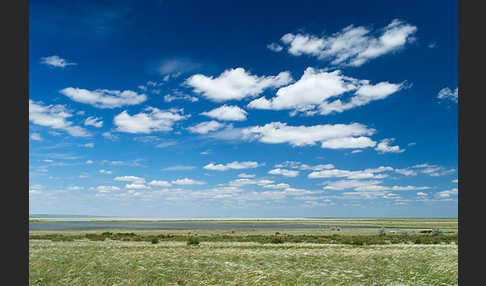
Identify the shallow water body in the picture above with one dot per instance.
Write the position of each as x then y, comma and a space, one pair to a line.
92, 225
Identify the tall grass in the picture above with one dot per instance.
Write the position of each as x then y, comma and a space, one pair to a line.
111, 262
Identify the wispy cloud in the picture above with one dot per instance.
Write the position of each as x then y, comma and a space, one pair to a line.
179, 168
173, 67
104, 98
448, 94
384, 147
205, 127
54, 116
152, 121
36, 137
433, 170
187, 181
376, 173
275, 47
94, 121
56, 61
353, 46
233, 165
284, 172
179, 95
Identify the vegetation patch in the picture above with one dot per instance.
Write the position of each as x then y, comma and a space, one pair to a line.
111, 262
193, 240
434, 237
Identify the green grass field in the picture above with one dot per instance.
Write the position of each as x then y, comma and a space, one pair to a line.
114, 262
348, 256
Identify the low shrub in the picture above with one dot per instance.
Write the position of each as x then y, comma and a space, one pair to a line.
192, 240
357, 242
382, 232
277, 239
436, 232
62, 238
125, 234
154, 240
416, 238
95, 237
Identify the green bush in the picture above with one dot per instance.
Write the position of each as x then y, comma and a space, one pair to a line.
357, 242
192, 240
277, 239
125, 234
154, 240
417, 238
382, 232
61, 238
95, 237
436, 232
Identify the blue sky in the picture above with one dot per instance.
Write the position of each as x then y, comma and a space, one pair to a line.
243, 109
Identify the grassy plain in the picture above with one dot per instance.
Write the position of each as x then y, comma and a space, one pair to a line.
349, 256
114, 262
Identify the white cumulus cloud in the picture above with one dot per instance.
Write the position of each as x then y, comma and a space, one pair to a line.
447, 194
159, 183
353, 46
350, 184
205, 127
277, 132
227, 113
137, 186
313, 93
153, 121
233, 165
356, 175
133, 179
235, 84
54, 116
187, 181
284, 172
384, 147
104, 98
244, 175
348, 142
106, 189
406, 172
93, 121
